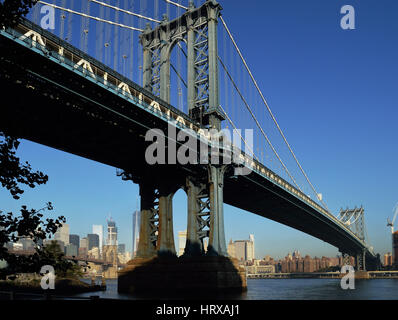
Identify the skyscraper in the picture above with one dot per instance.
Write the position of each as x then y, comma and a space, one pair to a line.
93, 241
62, 234
99, 230
244, 249
136, 231
74, 239
252, 253
395, 248
83, 247
112, 233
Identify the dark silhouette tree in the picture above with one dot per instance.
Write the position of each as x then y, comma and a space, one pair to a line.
30, 223
12, 10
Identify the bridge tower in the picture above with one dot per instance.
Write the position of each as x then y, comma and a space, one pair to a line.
213, 269
355, 221
197, 28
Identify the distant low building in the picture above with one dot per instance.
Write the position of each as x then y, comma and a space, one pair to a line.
93, 253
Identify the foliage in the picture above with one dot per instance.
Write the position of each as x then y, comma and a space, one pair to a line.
13, 172
30, 222
52, 255
12, 10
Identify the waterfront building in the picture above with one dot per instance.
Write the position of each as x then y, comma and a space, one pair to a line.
387, 259
395, 248
244, 249
231, 249
94, 253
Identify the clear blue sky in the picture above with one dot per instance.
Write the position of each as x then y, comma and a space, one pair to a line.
334, 93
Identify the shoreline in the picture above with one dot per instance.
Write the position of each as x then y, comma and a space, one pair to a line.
62, 286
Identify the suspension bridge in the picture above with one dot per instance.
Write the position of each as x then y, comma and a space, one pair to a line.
109, 72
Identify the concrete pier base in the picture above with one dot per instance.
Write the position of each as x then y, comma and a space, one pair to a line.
184, 274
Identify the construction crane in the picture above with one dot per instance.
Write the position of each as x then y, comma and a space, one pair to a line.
391, 223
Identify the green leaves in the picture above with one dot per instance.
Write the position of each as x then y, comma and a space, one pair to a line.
12, 172
29, 223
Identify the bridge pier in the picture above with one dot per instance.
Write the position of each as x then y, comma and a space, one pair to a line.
217, 245
165, 241
360, 261
157, 268
198, 217
149, 221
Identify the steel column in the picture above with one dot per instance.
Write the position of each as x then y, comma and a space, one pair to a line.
148, 225
165, 243
217, 245
198, 217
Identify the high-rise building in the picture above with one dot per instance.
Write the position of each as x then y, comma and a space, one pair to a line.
74, 239
99, 230
249, 250
231, 249
240, 249
244, 249
387, 259
62, 234
93, 241
251, 238
182, 238
84, 243
136, 231
395, 248
121, 248
112, 233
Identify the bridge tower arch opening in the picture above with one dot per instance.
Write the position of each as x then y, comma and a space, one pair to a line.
178, 86
197, 27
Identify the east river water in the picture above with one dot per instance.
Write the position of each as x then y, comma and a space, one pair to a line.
286, 289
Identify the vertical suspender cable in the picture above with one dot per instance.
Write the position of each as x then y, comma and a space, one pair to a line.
270, 112
101, 41
116, 42
70, 24
132, 56
62, 22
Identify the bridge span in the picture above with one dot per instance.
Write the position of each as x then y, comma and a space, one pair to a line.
61, 97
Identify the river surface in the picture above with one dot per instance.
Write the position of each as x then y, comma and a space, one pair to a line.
284, 289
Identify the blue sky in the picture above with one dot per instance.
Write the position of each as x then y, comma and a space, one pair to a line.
333, 92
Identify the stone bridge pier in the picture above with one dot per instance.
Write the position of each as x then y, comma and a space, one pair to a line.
156, 266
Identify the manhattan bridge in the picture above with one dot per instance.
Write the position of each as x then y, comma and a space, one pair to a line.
97, 77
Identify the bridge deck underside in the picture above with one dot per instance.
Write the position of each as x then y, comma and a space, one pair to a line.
89, 121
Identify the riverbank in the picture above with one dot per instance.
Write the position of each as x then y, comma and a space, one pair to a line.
62, 286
